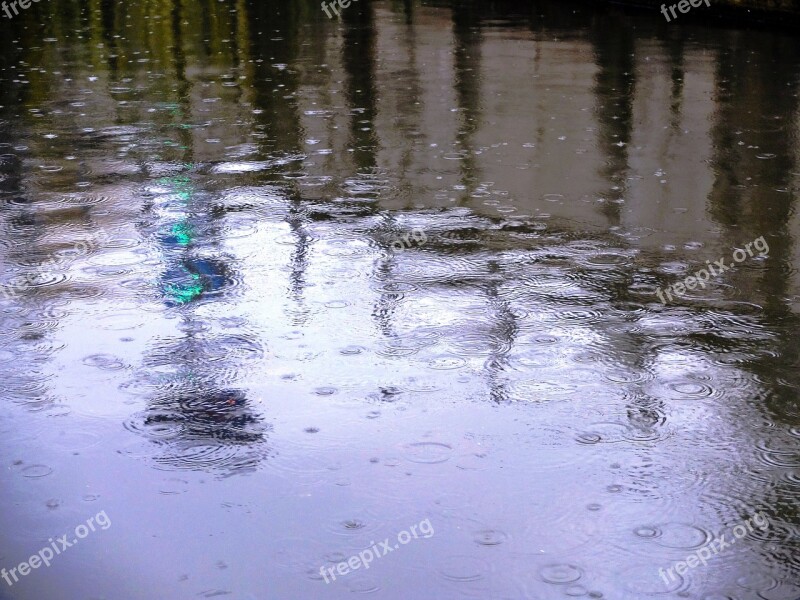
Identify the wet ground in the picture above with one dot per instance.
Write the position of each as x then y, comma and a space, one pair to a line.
279, 288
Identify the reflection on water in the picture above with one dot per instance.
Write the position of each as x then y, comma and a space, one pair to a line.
214, 338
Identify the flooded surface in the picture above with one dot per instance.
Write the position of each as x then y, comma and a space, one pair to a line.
278, 288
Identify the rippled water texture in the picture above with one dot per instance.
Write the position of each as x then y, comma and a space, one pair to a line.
279, 287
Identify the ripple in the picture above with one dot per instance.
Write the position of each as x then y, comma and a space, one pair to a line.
479, 344
141, 285
36, 471
156, 425
463, 569
618, 376
604, 433
646, 481
395, 287
361, 524
293, 239
472, 462
351, 350
173, 486
234, 348
683, 389
362, 584
781, 538
682, 536
71, 439
692, 389
325, 391
203, 455
757, 582
396, 349
337, 304
347, 247
770, 452
446, 363
104, 361
428, 452
408, 344
579, 316
576, 590
560, 573
647, 532
792, 477
458, 155
302, 464
35, 281
489, 537
535, 391
36, 330
536, 359
352, 525
418, 384
605, 260
648, 434
783, 591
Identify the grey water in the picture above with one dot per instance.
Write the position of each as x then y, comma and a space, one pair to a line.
277, 288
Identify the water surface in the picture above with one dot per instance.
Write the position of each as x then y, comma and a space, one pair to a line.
280, 287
